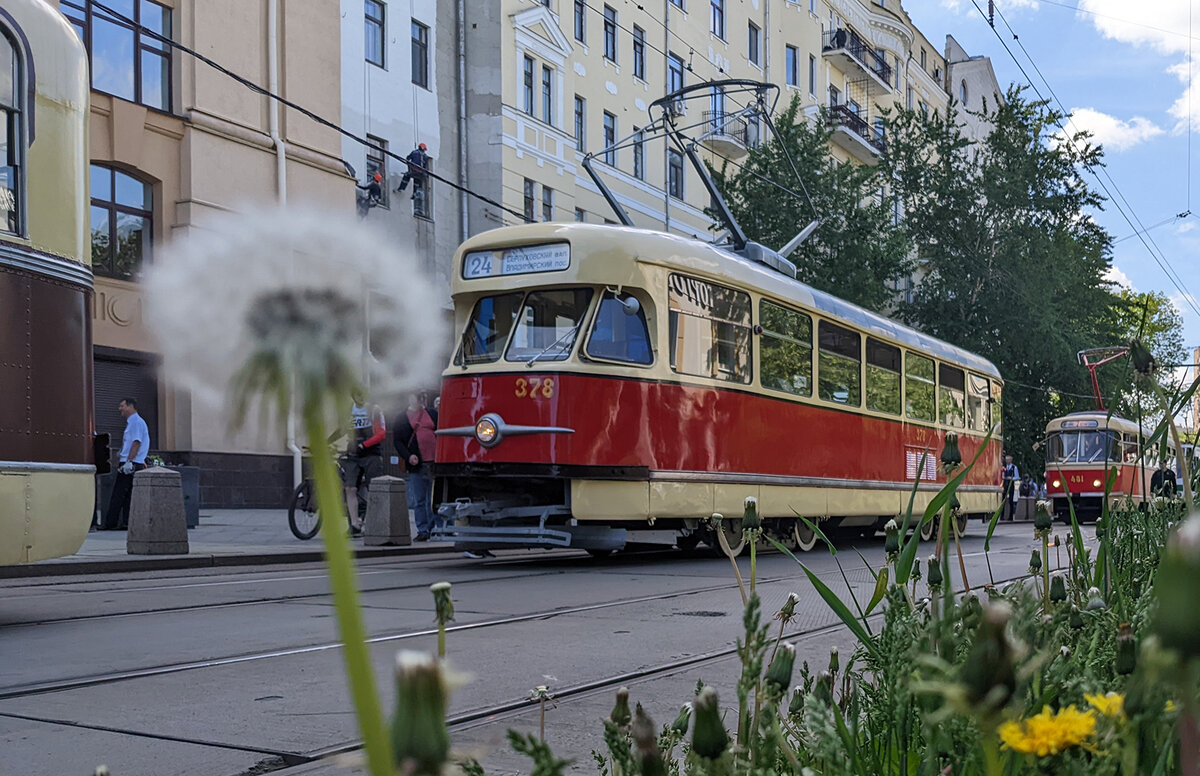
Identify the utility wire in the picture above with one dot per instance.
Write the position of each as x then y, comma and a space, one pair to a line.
128, 22
1138, 228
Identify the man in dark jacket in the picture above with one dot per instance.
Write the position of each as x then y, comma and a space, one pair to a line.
416, 444
1162, 483
418, 166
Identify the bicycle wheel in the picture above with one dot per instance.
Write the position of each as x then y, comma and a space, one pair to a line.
302, 513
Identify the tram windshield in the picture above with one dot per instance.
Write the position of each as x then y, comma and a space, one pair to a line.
1083, 447
487, 331
548, 324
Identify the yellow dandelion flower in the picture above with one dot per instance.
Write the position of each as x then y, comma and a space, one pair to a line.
1111, 704
1048, 733
1170, 706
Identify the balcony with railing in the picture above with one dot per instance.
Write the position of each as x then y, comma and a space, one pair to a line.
853, 133
725, 133
849, 49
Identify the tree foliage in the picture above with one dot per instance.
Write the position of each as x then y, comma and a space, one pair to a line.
857, 250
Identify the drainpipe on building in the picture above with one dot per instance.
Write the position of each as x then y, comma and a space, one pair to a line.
281, 186
461, 22
667, 143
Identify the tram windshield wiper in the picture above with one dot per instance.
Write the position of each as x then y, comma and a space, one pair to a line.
570, 333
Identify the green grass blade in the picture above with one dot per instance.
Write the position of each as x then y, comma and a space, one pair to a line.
987, 542
871, 571
881, 583
817, 530
1076, 534
843, 612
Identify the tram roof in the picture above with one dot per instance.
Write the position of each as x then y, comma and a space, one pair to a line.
686, 253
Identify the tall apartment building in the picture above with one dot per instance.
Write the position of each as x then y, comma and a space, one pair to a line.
549, 80
175, 147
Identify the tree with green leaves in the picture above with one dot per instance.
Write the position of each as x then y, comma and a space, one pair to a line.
858, 249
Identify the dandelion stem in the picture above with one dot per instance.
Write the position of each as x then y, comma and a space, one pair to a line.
732, 561
962, 566
345, 597
991, 755
1045, 573
752, 537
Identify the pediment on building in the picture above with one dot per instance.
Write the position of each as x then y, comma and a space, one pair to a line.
542, 26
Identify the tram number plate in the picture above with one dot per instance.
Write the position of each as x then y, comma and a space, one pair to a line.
534, 388
524, 260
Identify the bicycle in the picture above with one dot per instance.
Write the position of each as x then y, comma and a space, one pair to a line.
303, 517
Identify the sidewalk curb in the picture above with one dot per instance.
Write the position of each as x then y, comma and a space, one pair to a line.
204, 561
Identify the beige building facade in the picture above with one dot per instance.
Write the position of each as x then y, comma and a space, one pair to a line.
177, 146
550, 80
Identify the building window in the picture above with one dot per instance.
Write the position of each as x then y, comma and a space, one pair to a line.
674, 73
921, 106
962, 93
716, 104
580, 121
529, 199
812, 6
121, 223
580, 215
527, 84
422, 195
677, 3
639, 154
922, 59
752, 44
610, 34
547, 95
639, 53
835, 97
377, 163
420, 54
11, 142
675, 174
126, 61
880, 129
610, 139
792, 65
908, 97
718, 18
376, 31
581, 21
812, 75
547, 203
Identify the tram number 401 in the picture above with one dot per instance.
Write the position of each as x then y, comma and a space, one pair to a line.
534, 388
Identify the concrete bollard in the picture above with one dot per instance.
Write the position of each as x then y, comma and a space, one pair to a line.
157, 520
387, 513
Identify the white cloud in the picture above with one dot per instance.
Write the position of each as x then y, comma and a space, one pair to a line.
1113, 133
1010, 6
1114, 275
1186, 227
1163, 26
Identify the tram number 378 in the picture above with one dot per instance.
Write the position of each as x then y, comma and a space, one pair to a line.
534, 388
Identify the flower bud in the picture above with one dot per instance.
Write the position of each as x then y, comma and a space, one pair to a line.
1056, 544
935, 573
779, 674
443, 606
989, 675
833, 660
750, 518
1058, 590
788, 610
1101, 528
891, 541
101, 770
1064, 652
1076, 618
709, 739
420, 739
823, 688
644, 736
972, 611
1142, 358
1126, 650
951, 457
1095, 600
1177, 621
680, 725
620, 714
1035, 562
797, 703
916, 569
1043, 521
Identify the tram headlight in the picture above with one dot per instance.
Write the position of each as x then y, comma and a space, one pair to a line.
486, 432
1095, 483
1056, 484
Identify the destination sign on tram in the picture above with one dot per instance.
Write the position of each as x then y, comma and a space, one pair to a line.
525, 260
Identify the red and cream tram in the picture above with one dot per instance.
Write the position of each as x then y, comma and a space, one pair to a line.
1082, 448
610, 380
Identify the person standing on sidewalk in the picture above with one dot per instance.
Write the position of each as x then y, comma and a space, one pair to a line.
416, 444
1010, 476
364, 461
135, 443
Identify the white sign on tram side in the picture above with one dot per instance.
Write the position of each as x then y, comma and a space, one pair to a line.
517, 261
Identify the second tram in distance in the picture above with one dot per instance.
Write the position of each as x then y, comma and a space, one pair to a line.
1082, 448
611, 380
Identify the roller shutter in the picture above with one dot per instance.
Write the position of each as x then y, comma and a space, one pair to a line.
116, 379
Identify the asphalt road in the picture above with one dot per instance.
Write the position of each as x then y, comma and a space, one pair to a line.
237, 671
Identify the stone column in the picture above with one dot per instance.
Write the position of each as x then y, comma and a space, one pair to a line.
387, 513
157, 520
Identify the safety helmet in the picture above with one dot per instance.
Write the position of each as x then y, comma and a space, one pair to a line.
378, 177
421, 146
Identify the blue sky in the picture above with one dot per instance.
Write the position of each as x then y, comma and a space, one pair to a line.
1122, 69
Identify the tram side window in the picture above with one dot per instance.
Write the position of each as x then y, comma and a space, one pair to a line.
918, 387
10, 137
977, 403
785, 349
548, 324
951, 395
883, 377
839, 365
1129, 448
709, 329
620, 332
491, 321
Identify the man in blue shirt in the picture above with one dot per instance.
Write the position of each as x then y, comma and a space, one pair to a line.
135, 444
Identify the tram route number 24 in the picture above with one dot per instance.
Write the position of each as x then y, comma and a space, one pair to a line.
534, 388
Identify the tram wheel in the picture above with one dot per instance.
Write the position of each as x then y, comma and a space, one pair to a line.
805, 536
688, 542
960, 522
600, 553
928, 529
731, 529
